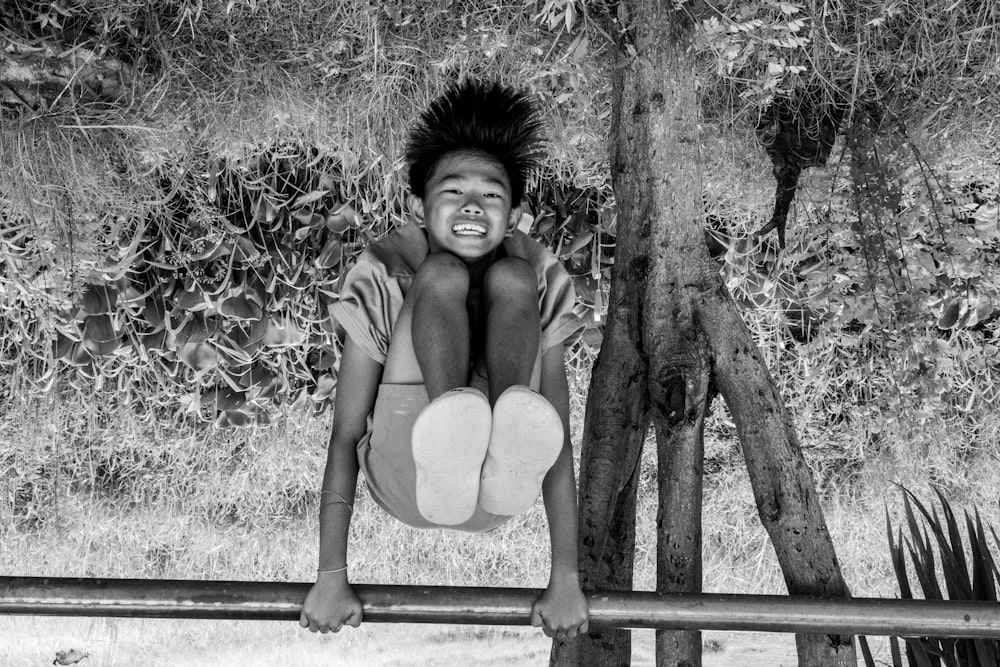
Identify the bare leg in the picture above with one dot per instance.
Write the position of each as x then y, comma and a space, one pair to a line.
451, 434
526, 435
440, 326
513, 324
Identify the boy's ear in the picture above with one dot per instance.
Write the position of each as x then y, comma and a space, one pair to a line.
416, 205
513, 219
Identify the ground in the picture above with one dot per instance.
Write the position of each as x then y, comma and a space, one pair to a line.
33, 641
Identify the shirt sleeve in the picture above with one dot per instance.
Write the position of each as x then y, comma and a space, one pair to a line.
557, 304
368, 306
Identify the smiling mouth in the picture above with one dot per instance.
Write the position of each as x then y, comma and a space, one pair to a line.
469, 229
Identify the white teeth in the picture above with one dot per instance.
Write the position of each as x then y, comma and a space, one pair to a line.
469, 229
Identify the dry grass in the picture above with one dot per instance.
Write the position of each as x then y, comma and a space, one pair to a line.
200, 644
192, 503
924, 63
345, 78
92, 494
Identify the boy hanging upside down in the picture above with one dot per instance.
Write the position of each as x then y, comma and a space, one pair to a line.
455, 327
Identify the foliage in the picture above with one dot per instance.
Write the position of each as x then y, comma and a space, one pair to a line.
917, 270
578, 225
741, 36
223, 301
559, 14
959, 582
182, 244
848, 314
935, 60
882, 308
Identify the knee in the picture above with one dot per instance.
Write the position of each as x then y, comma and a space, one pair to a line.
511, 278
441, 273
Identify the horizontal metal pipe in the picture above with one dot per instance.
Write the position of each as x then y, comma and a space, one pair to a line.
275, 601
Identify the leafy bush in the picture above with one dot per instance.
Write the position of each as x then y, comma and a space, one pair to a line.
883, 307
220, 300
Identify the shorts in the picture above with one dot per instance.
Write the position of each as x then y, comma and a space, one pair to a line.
385, 456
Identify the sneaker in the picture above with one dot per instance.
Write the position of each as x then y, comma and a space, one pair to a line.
449, 441
525, 441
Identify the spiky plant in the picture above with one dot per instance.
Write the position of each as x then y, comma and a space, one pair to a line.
965, 574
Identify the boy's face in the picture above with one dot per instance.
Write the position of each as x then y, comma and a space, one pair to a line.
466, 209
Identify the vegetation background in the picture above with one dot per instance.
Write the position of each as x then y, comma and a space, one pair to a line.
183, 183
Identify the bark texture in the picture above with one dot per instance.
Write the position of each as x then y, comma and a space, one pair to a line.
656, 173
614, 428
680, 461
782, 484
673, 335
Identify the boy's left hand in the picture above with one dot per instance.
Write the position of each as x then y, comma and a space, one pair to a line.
561, 610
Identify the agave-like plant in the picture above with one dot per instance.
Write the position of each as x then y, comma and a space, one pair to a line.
217, 301
226, 292
927, 528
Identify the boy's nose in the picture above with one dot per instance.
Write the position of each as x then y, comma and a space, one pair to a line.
472, 207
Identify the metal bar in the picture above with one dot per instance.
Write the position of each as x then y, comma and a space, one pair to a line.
275, 601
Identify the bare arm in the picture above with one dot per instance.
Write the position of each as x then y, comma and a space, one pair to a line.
562, 608
331, 603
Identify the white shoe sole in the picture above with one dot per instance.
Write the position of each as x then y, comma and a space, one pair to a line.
449, 441
525, 441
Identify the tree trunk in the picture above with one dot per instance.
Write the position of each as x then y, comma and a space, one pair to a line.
657, 178
615, 426
680, 459
782, 485
671, 329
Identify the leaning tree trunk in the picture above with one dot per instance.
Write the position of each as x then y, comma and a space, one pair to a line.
615, 425
783, 488
673, 335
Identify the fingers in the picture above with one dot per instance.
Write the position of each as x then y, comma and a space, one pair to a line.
353, 620
562, 626
550, 629
567, 630
312, 624
539, 621
323, 628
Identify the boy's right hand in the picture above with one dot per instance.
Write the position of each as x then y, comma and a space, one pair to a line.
330, 605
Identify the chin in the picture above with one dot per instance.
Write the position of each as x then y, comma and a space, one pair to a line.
470, 257
479, 248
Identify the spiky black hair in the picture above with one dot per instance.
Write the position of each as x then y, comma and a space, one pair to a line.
477, 116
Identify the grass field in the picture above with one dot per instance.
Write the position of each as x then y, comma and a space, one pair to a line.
111, 497
202, 644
